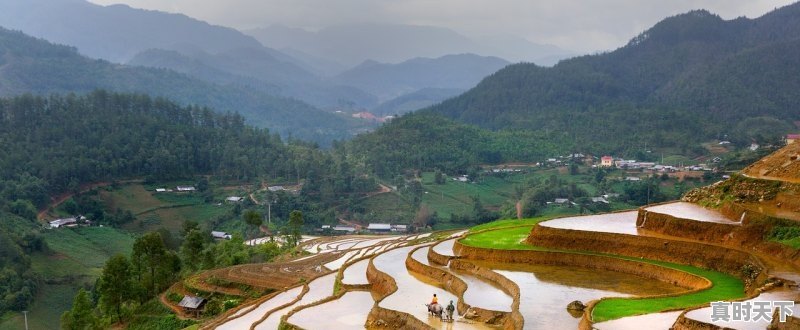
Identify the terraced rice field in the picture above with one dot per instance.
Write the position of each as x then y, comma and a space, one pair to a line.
345, 296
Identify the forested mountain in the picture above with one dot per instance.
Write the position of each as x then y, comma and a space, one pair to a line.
29, 65
57, 144
426, 141
689, 78
388, 81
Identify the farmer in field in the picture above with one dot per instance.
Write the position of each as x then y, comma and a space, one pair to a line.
450, 310
435, 300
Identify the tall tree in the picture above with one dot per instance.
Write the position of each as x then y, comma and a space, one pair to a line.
253, 218
115, 284
295, 227
81, 316
149, 254
192, 249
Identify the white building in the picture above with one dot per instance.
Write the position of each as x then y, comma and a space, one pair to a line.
66, 222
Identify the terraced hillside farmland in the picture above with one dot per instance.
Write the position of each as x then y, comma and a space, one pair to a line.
658, 267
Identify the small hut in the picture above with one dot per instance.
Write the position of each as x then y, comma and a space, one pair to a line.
192, 305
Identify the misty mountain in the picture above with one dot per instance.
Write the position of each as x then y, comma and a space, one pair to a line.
688, 79
257, 69
387, 81
116, 33
30, 65
386, 43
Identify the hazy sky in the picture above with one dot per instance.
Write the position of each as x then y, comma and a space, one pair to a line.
577, 25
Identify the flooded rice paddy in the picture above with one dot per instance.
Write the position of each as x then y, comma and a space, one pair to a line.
690, 211
348, 312
356, 273
249, 317
445, 248
479, 293
618, 223
545, 291
414, 291
319, 288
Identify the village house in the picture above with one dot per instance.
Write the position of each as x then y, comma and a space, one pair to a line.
234, 199
220, 235
192, 305
599, 200
161, 189
792, 138
275, 188
379, 227
606, 161
400, 228
185, 188
343, 229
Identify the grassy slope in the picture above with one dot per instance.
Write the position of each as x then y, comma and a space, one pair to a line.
724, 287
80, 251
76, 259
50, 302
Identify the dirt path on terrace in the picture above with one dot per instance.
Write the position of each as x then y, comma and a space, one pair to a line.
383, 189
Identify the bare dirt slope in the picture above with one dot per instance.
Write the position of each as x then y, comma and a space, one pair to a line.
782, 165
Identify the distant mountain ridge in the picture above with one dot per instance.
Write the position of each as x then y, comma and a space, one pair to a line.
388, 81
688, 78
30, 65
224, 56
393, 43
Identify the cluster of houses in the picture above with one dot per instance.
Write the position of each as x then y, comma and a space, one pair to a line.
178, 189
599, 199
630, 164
371, 117
372, 228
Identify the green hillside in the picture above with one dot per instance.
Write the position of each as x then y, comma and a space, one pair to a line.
688, 79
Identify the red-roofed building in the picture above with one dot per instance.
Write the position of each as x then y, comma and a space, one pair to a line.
606, 161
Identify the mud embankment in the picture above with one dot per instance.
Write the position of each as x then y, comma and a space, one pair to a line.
646, 270
682, 252
437, 258
286, 325
513, 320
456, 286
382, 285
447, 280
748, 236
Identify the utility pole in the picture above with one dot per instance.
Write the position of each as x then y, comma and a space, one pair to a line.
26, 319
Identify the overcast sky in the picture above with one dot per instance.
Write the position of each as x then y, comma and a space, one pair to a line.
583, 26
